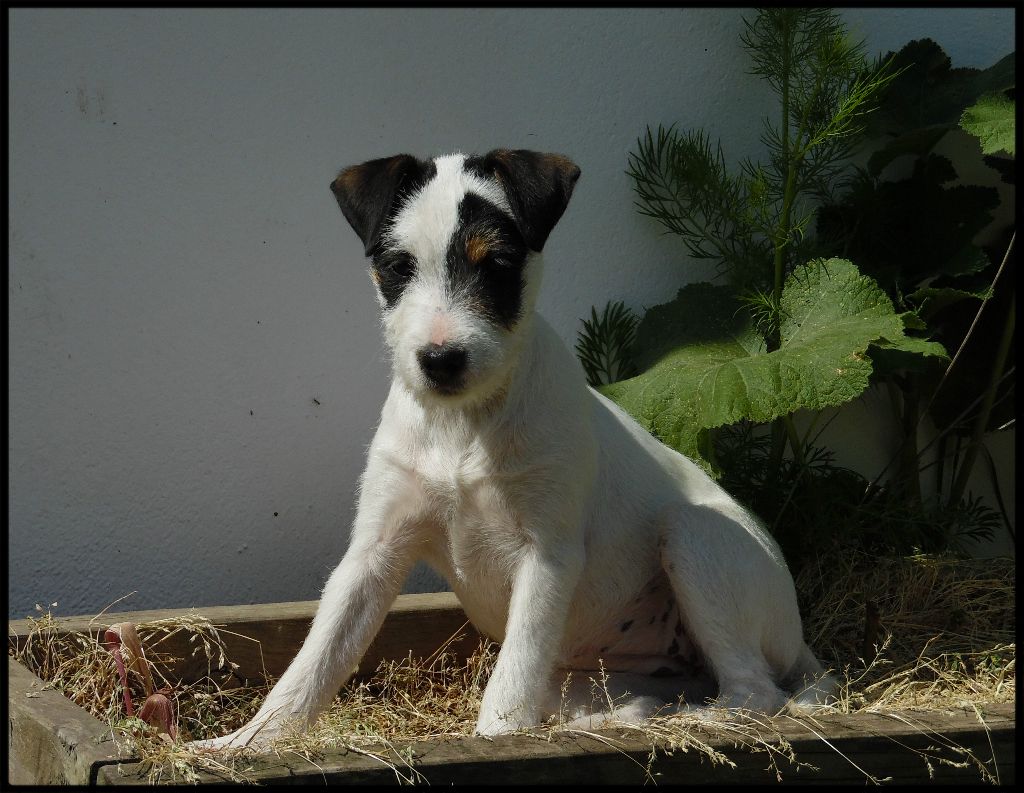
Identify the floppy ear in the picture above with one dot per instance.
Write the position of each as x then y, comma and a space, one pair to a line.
538, 187
366, 193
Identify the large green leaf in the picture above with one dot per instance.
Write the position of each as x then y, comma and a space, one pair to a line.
907, 353
706, 366
991, 120
930, 300
679, 344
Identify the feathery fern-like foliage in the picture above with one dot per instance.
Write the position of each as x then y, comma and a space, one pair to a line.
752, 222
604, 346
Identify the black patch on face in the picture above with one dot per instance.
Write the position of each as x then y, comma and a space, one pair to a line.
392, 271
626, 625
370, 195
485, 261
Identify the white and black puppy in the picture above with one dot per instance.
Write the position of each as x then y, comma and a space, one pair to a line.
569, 534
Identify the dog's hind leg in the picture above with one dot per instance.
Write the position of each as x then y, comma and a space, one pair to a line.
737, 601
810, 684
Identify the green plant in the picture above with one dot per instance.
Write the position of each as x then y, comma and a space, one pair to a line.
800, 326
705, 364
912, 225
605, 344
752, 224
776, 344
815, 503
825, 88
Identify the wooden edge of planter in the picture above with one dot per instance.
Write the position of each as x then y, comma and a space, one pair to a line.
50, 740
896, 748
262, 639
53, 740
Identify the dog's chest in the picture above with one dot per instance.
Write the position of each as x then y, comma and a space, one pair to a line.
468, 479
480, 533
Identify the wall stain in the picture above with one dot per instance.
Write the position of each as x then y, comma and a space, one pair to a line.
92, 104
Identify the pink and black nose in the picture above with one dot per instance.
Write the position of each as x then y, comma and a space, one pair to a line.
444, 365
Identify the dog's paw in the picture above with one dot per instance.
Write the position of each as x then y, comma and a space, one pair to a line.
491, 724
820, 693
492, 728
501, 713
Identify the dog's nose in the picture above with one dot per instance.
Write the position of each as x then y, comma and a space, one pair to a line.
443, 364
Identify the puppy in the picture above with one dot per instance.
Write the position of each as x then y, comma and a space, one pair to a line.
569, 534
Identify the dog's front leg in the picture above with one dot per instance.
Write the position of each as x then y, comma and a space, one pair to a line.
542, 590
353, 606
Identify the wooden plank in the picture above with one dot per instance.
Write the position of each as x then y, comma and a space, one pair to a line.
265, 638
50, 740
881, 746
260, 639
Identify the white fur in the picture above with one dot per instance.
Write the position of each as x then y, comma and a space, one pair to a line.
555, 518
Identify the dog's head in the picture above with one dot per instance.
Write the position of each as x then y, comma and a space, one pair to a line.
453, 244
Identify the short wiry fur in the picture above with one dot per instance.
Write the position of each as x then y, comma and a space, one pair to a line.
569, 534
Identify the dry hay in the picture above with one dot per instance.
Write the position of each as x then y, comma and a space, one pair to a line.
900, 634
78, 666
944, 629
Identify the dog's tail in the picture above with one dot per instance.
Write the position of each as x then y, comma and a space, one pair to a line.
810, 683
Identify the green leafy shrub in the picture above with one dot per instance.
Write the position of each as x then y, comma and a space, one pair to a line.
912, 224
808, 320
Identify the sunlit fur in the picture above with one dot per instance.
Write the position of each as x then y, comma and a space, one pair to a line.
569, 533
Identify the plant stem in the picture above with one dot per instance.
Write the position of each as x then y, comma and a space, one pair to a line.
981, 422
781, 237
794, 439
782, 230
909, 478
940, 466
952, 363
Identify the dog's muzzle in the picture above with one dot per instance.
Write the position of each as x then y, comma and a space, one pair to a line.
444, 366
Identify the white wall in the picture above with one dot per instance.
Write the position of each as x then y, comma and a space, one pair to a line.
195, 369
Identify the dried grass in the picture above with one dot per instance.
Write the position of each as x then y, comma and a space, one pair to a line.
913, 632
78, 666
904, 634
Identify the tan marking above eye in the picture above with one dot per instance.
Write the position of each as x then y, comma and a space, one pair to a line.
478, 246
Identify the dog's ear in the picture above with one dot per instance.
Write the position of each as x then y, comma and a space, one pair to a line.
366, 193
538, 187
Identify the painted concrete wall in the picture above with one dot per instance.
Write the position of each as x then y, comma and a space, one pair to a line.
195, 368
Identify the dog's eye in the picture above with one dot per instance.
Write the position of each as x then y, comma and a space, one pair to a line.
401, 266
496, 262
